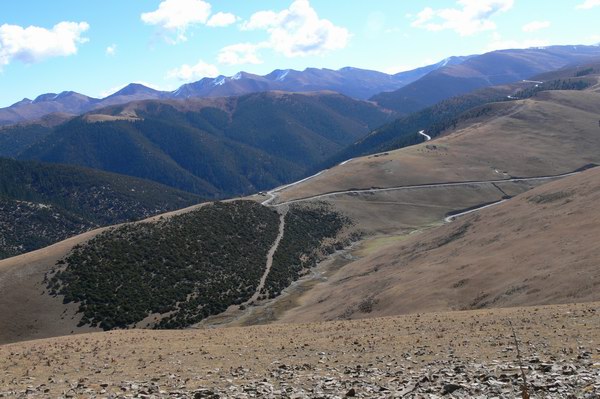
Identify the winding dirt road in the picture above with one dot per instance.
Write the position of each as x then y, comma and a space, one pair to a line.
422, 133
272, 194
270, 255
451, 218
419, 186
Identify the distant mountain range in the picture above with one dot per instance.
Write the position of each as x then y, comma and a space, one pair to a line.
213, 147
490, 69
404, 92
445, 115
353, 82
551, 133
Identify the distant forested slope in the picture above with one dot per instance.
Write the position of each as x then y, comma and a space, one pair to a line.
44, 203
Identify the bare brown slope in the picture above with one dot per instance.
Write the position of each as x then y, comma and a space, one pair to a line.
538, 248
386, 357
553, 133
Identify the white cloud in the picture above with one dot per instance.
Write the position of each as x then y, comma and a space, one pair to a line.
241, 53
178, 15
193, 72
34, 44
535, 26
260, 20
221, 19
587, 4
473, 16
111, 50
293, 32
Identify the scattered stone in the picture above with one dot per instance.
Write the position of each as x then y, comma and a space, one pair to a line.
206, 394
450, 388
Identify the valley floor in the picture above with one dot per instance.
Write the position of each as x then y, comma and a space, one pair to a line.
456, 354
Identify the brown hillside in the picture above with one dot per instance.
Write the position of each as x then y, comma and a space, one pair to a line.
554, 132
538, 248
378, 358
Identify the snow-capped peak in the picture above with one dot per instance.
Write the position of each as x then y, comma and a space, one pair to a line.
282, 75
219, 81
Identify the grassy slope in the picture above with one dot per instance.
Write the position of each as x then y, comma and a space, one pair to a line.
449, 113
554, 132
538, 248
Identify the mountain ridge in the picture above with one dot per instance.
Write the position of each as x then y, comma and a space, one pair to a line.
489, 69
354, 82
212, 147
387, 89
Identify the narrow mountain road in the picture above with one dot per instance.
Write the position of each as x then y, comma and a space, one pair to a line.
422, 133
432, 185
451, 218
270, 255
272, 194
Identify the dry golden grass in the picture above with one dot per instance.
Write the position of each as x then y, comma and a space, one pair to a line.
93, 118
553, 133
187, 360
538, 248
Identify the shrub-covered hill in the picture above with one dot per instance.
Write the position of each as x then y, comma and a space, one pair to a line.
311, 231
183, 268
174, 272
41, 204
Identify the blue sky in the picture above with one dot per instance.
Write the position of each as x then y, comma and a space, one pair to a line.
95, 47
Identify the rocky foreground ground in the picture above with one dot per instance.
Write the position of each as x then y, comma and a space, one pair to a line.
452, 355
